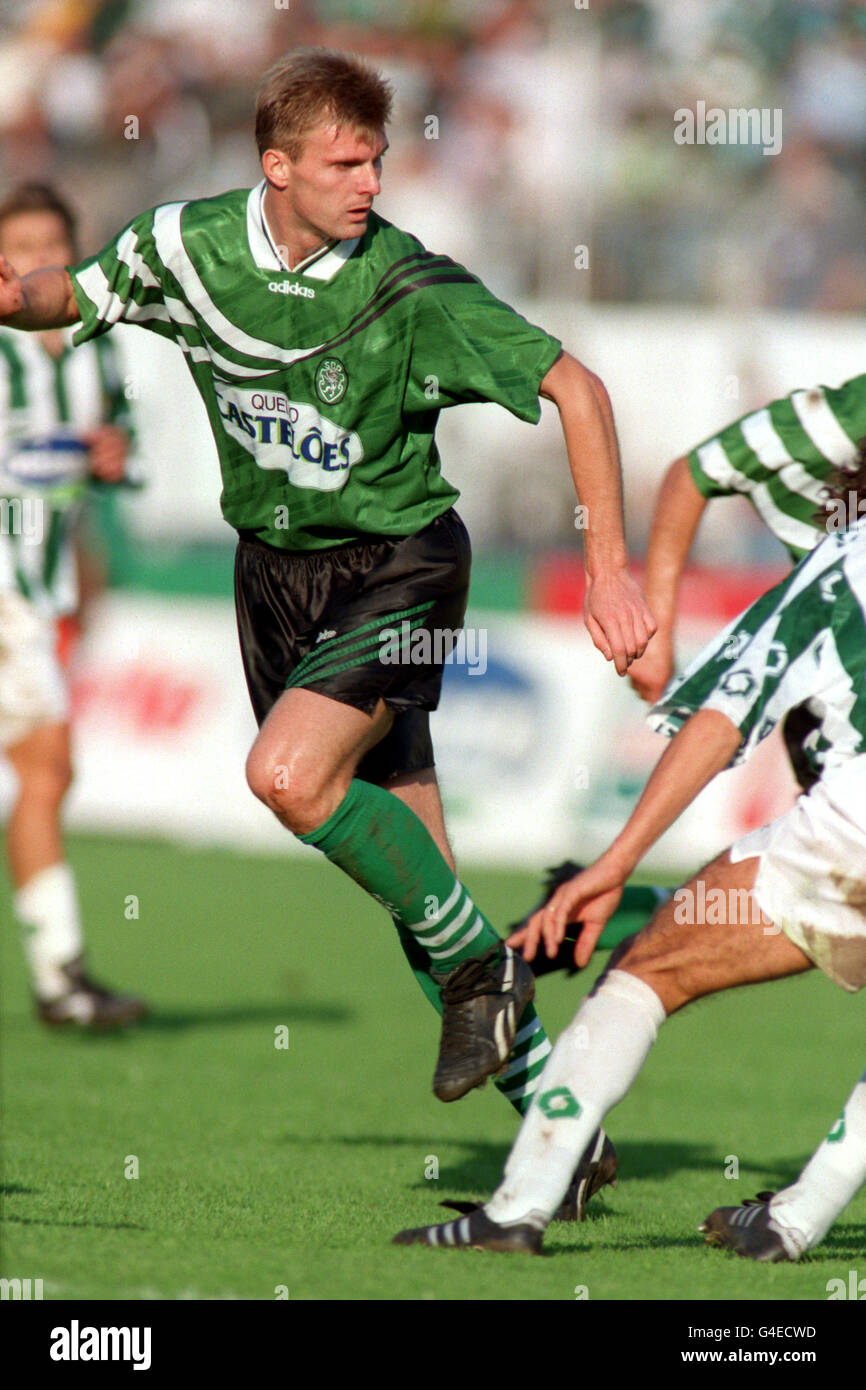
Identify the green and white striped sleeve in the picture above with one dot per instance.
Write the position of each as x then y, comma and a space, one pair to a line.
123, 284
780, 457
778, 653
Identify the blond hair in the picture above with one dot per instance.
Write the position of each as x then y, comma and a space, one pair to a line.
311, 85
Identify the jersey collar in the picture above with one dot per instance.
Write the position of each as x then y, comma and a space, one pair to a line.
320, 265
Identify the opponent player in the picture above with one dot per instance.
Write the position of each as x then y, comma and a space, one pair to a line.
63, 421
784, 898
324, 343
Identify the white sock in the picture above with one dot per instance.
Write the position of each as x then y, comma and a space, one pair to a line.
47, 908
594, 1062
806, 1210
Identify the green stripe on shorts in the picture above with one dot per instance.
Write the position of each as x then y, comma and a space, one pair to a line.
334, 648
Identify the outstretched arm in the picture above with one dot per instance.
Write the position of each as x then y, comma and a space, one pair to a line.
43, 299
702, 747
617, 616
678, 510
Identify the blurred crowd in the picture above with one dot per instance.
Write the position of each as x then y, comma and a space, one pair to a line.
524, 130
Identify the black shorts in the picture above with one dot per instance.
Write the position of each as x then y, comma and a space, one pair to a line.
341, 621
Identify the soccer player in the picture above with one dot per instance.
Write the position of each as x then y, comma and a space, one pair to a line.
63, 422
781, 900
781, 458
324, 342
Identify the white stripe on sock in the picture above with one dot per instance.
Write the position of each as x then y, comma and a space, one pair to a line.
527, 1059
441, 912
453, 926
475, 930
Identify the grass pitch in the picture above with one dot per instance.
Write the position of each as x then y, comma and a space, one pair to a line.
262, 1168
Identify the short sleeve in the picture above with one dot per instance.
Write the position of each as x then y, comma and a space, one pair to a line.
725, 464
122, 284
768, 660
467, 345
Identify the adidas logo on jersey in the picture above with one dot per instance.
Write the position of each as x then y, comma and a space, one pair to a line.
289, 287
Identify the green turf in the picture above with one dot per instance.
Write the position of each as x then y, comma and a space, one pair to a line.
261, 1167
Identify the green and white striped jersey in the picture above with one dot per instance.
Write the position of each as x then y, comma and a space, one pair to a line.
780, 457
803, 642
47, 405
323, 384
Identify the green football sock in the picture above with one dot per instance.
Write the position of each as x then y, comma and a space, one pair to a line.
375, 839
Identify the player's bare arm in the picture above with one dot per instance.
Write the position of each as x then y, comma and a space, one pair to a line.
703, 747
617, 615
43, 299
678, 511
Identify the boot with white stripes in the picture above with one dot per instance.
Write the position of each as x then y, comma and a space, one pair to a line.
748, 1230
482, 1001
477, 1232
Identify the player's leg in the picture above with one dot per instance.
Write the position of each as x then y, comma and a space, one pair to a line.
420, 792
46, 899
812, 878
784, 1225
598, 1165
302, 767
43, 768
600, 1054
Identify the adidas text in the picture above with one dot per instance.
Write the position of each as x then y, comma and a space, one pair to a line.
290, 287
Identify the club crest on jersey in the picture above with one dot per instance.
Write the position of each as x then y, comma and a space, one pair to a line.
331, 380
313, 451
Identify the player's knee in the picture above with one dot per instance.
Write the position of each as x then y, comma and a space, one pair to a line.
266, 778
296, 798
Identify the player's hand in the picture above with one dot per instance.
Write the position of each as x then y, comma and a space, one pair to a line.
11, 290
591, 897
109, 446
650, 673
617, 617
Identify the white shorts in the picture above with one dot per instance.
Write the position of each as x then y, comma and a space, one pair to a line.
33, 688
812, 876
